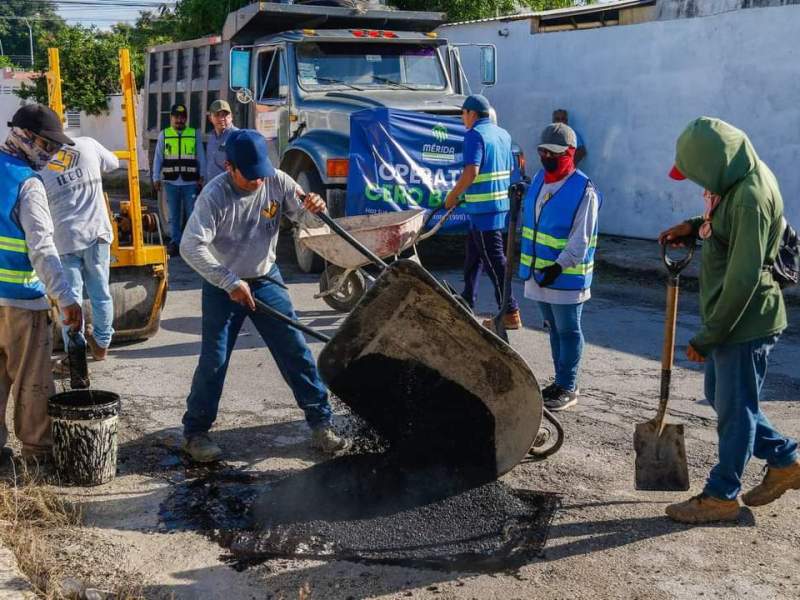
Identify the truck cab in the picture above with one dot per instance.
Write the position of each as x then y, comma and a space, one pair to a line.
296, 72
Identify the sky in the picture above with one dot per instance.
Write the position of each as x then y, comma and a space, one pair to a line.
104, 13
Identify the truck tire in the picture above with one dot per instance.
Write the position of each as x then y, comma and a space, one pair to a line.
308, 261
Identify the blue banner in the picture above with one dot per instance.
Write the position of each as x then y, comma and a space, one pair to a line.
401, 159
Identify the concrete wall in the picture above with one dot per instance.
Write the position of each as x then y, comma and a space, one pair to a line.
631, 90
676, 9
109, 130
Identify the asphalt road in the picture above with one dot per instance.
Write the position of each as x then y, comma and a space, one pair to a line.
606, 540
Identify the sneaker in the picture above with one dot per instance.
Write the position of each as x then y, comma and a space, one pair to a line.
777, 481
98, 352
201, 449
548, 390
325, 440
560, 399
704, 509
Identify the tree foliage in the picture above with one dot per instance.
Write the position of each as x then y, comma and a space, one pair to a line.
89, 68
14, 32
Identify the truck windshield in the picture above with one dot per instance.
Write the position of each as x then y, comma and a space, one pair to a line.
326, 65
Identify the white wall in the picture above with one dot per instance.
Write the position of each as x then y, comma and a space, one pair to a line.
109, 129
9, 104
631, 90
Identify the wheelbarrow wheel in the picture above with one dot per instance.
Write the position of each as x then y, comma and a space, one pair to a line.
349, 290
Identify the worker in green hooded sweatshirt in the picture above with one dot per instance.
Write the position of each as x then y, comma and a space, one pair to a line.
742, 312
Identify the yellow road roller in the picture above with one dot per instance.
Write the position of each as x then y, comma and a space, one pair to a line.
139, 272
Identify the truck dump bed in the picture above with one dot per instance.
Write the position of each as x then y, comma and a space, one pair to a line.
264, 18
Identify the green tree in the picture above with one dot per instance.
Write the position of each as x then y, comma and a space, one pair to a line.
89, 68
14, 31
5, 61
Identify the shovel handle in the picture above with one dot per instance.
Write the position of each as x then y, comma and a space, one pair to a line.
424, 235
668, 351
266, 309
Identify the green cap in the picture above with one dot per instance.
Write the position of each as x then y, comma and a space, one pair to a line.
218, 105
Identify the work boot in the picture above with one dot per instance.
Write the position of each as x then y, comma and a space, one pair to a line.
325, 440
511, 320
201, 449
777, 481
704, 509
560, 399
98, 352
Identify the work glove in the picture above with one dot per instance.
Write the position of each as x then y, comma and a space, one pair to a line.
545, 277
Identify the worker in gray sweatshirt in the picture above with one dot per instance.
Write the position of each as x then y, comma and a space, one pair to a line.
230, 240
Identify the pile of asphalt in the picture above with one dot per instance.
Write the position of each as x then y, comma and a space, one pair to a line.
420, 490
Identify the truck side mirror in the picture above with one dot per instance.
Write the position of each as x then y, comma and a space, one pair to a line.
488, 65
240, 69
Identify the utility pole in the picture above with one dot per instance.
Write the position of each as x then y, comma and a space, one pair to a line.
30, 38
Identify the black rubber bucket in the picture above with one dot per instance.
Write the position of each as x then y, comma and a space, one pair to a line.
84, 424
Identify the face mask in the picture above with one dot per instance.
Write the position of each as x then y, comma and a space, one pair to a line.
20, 144
550, 163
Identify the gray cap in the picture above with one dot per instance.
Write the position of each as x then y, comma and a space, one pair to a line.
557, 137
218, 105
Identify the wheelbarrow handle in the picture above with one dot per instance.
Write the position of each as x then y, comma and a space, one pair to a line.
542, 454
267, 309
424, 235
339, 230
515, 195
675, 266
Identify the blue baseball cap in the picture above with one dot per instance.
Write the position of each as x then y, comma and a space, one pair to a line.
480, 104
247, 150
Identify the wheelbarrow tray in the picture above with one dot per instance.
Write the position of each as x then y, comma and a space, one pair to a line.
385, 234
416, 365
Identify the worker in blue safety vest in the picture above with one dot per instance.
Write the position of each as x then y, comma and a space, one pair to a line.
488, 166
29, 269
559, 237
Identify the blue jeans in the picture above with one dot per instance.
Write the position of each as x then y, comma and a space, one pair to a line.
180, 201
734, 378
88, 269
222, 320
485, 252
566, 340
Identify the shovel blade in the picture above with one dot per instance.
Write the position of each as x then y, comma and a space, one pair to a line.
660, 459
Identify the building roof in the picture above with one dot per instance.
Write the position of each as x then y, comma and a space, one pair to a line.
560, 13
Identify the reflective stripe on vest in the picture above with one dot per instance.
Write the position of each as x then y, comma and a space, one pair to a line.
180, 155
544, 239
488, 193
18, 281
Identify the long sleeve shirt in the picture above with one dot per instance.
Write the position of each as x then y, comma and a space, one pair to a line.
232, 235
33, 215
215, 153
158, 160
577, 246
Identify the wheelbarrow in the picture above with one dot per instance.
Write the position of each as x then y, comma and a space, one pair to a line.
344, 279
416, 365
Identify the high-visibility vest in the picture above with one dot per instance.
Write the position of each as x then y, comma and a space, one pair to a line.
544, 238
489, 192
180, 158
18, 280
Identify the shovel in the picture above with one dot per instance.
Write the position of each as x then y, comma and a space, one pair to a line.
660, 449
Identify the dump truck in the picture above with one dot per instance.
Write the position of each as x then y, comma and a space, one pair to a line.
296, 72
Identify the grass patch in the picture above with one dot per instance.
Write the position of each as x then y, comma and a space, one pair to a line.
38, 526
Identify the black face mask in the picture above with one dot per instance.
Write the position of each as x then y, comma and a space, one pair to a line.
549, 163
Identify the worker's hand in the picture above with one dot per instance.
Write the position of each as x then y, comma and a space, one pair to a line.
313, 203
73, 316
241, 294
548, 275
693, 355
450, 201
675, 236
156, 186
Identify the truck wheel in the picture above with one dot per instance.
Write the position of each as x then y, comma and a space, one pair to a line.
308, 261
350, 291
